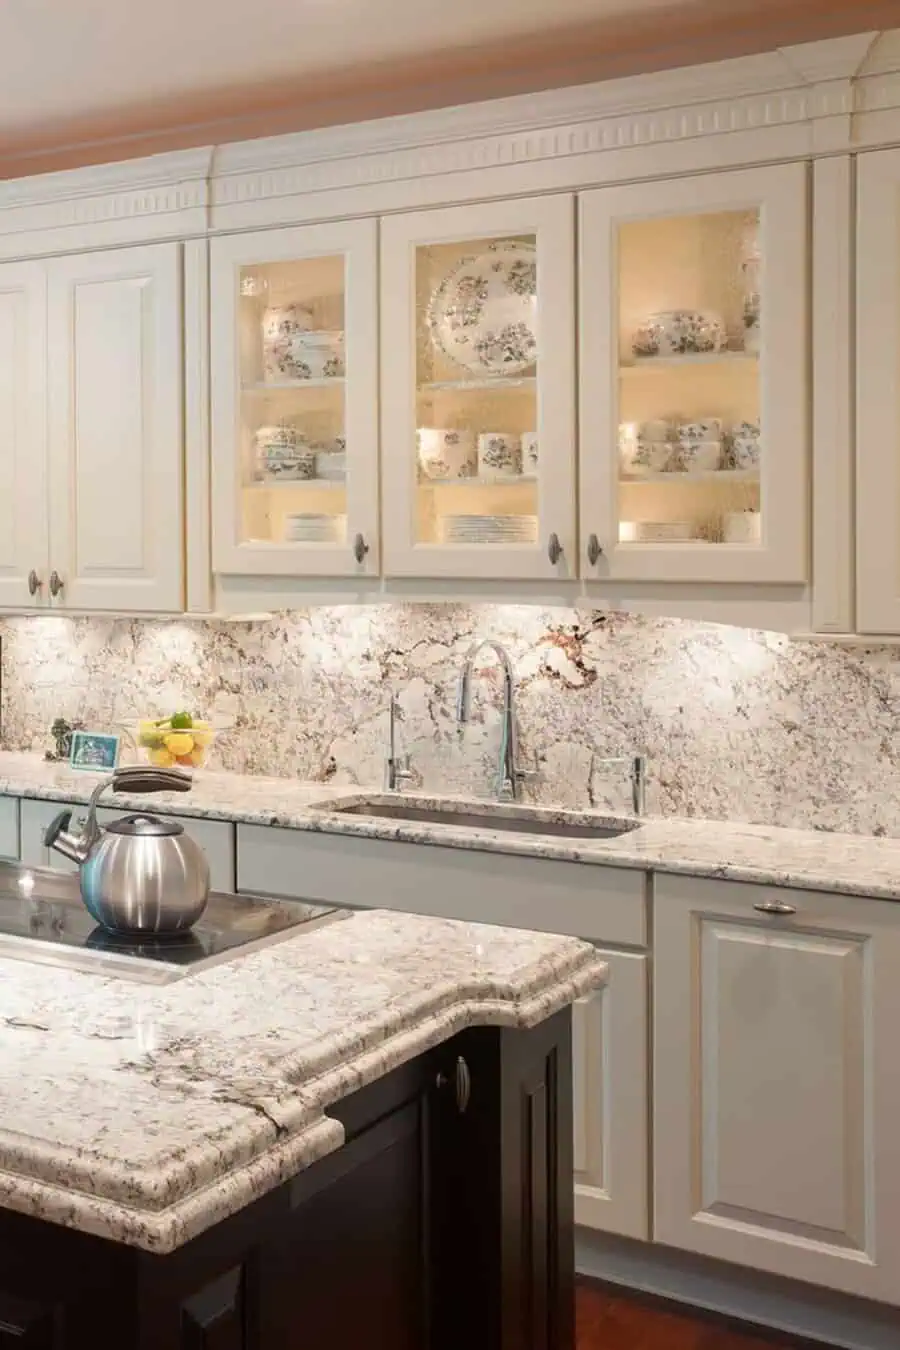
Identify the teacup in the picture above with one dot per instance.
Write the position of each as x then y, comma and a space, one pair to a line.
703, 429
445, 452
641, 457
695, 456
745, 452
499, 455
748, 429
529, 452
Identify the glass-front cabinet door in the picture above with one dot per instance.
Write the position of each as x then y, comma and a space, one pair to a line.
693, 378
478, 391
294, 376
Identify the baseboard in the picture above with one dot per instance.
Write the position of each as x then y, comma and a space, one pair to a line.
781, 1305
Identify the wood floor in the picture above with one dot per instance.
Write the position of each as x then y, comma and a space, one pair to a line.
607, 1321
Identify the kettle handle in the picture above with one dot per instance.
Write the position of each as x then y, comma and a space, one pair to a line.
56, 827
143, 778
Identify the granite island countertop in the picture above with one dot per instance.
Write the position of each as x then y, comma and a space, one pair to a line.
760, 854
147, 1115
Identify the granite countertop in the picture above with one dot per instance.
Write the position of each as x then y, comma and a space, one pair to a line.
765, 855
147, 1114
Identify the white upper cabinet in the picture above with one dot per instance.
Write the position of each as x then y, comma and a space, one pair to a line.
878, 393
23, 441
694, 378
775, 1087
294, 371
114, 335
478, 391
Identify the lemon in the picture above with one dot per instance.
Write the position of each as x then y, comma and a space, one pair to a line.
198, 756
161, 758
180, 743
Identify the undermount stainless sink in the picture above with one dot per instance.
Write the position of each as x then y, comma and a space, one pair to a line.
510, 820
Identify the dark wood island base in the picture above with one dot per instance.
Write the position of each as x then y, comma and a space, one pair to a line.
443, 1223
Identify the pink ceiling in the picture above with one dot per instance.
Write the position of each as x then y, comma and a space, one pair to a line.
91, 80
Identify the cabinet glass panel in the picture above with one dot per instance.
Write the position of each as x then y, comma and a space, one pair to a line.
293, 458
690, 324
476, 452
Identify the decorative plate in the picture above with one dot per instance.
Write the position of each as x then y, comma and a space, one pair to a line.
483, 315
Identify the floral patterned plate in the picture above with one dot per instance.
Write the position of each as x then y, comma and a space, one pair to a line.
483, 315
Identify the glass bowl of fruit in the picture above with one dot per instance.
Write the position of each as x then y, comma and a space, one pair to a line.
182, 740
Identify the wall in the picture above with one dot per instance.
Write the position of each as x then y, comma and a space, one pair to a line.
737, 724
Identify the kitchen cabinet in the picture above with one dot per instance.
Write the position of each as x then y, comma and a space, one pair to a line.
693, 378
91, 432
23, 434
878, 397
776, 1108
294, 370
9, 828
611, 1099
478, 390
215, 837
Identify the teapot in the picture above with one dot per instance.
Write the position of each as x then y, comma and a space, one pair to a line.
139, 874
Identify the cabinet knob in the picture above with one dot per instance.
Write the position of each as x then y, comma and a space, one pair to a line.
461, 1083
554, 549
594, 549
56, 583
34, 582
360, 548
775, 907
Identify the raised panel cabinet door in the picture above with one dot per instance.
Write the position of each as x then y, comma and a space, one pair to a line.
776, 1105
116, 430
878, 392
694, 382
294, 371
610, 1093
478, 391
23, 436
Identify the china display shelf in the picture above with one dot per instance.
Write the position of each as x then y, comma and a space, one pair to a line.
636, 364
490, 382
261, 388
723, 476
479, 482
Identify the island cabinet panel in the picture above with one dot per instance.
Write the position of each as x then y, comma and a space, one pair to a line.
445, 1220
775, 1086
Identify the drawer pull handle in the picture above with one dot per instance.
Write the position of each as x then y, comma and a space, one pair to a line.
360, 548
56, 584
594, 550
554, 549
34, 582
461, 1084
775, 907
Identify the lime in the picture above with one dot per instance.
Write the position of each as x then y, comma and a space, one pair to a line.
182, 721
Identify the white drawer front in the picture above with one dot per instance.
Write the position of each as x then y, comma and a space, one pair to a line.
9, 827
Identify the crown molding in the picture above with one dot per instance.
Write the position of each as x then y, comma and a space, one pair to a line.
160, 196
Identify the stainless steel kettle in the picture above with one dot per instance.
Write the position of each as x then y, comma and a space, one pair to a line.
139, 874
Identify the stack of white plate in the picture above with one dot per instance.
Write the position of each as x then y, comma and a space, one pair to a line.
488, 529
307, 528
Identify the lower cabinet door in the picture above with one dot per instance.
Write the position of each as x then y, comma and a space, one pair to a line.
215, 837
610, 1100
9, 829
776, 1092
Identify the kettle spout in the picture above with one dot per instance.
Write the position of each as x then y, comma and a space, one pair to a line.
74, 847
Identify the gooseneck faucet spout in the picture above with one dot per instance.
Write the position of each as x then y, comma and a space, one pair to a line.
509, 775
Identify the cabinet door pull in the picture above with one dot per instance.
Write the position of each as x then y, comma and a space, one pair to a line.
462, 1084
554, 549
56, 583
775, 907
360, 548
594, 549
34, 582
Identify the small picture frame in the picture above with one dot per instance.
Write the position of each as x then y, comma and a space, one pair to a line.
95, 751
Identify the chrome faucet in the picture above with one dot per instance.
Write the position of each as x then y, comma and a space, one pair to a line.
509, 776
396, 767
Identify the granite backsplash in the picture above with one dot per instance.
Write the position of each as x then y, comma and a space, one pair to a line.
736, 724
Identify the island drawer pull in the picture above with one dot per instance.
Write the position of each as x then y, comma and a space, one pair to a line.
462, 1084
775, 907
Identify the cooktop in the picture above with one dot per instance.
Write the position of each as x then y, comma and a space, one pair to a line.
43, 918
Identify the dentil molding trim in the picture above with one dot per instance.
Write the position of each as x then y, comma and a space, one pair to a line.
822, 91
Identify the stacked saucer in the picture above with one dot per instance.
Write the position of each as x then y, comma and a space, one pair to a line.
470, 529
